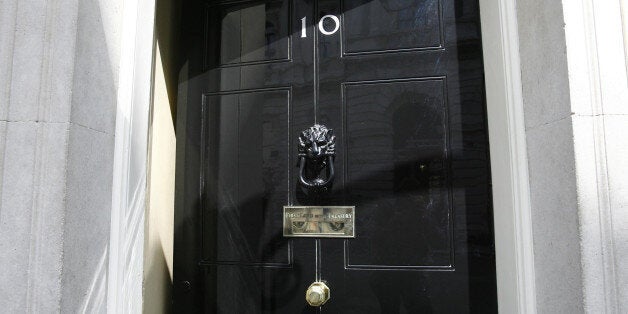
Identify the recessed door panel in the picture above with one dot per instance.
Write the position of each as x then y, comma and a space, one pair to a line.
247, 149
397, 174
388, 26
253, 32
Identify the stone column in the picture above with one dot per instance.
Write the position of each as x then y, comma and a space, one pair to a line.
58, 87
597, 46
575, 91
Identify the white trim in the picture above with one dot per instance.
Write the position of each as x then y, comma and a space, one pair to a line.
509, 165
126, 243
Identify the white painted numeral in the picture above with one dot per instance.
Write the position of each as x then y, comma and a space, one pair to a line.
321, 27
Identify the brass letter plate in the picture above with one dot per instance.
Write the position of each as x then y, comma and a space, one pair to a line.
319, 221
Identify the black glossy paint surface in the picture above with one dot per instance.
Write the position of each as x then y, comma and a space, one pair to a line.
401, 84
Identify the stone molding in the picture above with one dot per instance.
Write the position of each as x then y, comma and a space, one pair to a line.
129, 197
596, 51
56, 153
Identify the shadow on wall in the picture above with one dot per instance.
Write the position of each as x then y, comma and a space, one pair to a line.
167, 28
159, 227
157, 282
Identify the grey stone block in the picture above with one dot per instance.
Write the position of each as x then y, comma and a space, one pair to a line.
617, 163
87, 220
555, 218
58, 87
544, 73
31, 216
96, 69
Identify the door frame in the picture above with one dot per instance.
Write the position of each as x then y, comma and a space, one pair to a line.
509, 166
514, 250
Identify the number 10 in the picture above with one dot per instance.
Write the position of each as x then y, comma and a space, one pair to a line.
321, 28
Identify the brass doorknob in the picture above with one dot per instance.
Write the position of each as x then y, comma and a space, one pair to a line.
317, 294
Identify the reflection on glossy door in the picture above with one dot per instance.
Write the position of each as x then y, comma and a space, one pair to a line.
401, 84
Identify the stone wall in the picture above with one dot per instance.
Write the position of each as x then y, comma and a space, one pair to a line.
551, 164
575, 91
58, 86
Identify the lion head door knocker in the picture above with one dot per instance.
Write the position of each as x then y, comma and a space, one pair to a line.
317, 153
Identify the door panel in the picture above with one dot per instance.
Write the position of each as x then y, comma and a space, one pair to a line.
415, 158
247, 147
401, 84
396, 170
387, 26
251, 33
242, 96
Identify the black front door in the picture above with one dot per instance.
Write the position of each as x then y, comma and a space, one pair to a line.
401, 84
